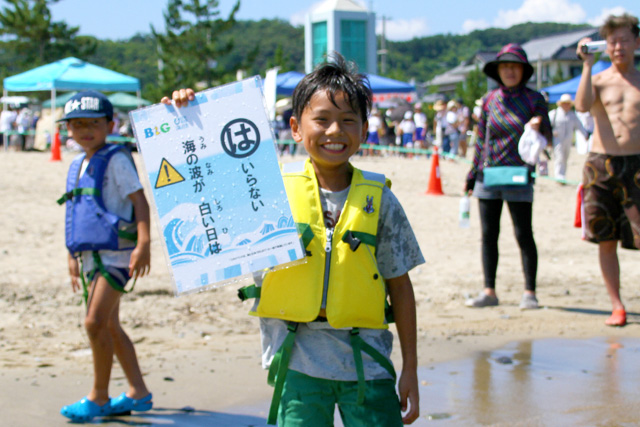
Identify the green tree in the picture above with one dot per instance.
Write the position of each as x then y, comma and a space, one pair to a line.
473, 87
35, 39
192, 48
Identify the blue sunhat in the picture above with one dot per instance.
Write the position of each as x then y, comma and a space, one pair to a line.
88, 104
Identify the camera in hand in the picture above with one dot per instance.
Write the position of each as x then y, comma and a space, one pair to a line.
593, 47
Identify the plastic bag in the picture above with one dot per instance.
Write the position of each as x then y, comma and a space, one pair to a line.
531, 145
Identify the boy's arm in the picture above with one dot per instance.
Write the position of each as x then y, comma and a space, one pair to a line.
140, 261
74, 272
404, 312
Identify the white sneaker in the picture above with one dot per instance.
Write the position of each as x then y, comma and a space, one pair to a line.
528, 302
482, 300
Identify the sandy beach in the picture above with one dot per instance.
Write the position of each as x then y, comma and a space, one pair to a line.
201, 353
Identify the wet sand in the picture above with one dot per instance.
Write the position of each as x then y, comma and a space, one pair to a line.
202, 351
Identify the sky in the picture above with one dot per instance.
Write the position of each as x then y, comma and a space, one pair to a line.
405, 19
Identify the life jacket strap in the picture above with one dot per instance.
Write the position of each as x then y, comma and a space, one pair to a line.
110, 280
129, 236
354, 238
85, 291
78, 192
306, 233
246, 292
278, 371
359, 345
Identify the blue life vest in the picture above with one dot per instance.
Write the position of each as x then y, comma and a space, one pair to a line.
88, 225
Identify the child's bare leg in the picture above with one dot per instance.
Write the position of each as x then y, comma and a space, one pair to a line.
126, 354
103, 300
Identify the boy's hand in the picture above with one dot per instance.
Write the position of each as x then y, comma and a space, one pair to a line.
180, 97
408, 389
74, 272
140, 261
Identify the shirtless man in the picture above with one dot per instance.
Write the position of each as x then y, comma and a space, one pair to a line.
611, 175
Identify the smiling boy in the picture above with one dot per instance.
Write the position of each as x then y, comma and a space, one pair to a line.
323, 323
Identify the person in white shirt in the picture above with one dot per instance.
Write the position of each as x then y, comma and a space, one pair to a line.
7, 123
564, 123
375, 127
463, 127
420, 119
583, 145
451, 129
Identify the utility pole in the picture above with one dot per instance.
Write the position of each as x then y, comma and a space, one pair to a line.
383, 47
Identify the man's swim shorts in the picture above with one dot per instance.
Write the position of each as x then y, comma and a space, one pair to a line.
612, 199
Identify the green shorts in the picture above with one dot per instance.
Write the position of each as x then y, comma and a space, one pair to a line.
311, 402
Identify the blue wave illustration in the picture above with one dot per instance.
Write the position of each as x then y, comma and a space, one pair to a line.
185, 245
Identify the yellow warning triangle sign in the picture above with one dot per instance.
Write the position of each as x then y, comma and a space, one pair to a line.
167, 175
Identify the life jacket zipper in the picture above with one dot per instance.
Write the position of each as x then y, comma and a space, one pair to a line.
327, 267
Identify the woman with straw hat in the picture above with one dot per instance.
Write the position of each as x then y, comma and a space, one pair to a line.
564, 123
505, 112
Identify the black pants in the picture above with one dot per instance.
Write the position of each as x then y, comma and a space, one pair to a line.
490, 212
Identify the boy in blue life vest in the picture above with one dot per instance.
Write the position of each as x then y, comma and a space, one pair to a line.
106, 208
324, 328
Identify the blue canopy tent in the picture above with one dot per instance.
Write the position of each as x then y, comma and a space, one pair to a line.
571, 86
381, 84
70, 74
287, 82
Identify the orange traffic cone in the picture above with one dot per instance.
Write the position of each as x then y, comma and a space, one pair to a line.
55, 148
435, 184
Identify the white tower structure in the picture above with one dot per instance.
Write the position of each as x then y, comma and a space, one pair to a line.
343, 26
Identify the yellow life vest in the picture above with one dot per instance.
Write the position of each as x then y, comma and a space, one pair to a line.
341, 273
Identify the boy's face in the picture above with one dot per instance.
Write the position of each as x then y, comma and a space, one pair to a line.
331, 134
90, 133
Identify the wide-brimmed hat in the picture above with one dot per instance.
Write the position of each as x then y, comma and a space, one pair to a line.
439, 105
513, 53
565, 99
452, 104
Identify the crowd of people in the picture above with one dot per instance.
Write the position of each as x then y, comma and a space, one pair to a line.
17, 125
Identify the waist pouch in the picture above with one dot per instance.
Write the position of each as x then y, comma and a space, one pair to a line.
505, 175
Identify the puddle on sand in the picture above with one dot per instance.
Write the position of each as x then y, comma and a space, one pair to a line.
552, 382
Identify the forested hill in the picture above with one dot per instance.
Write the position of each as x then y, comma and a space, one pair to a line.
258, 45
423, 58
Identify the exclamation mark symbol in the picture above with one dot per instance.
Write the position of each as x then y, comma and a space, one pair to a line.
169, 177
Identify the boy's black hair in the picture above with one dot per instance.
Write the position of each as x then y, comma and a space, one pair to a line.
334, 76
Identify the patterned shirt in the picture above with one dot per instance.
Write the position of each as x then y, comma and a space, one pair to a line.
507, 111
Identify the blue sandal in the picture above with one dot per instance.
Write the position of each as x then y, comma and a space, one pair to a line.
84, 410
123, 404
